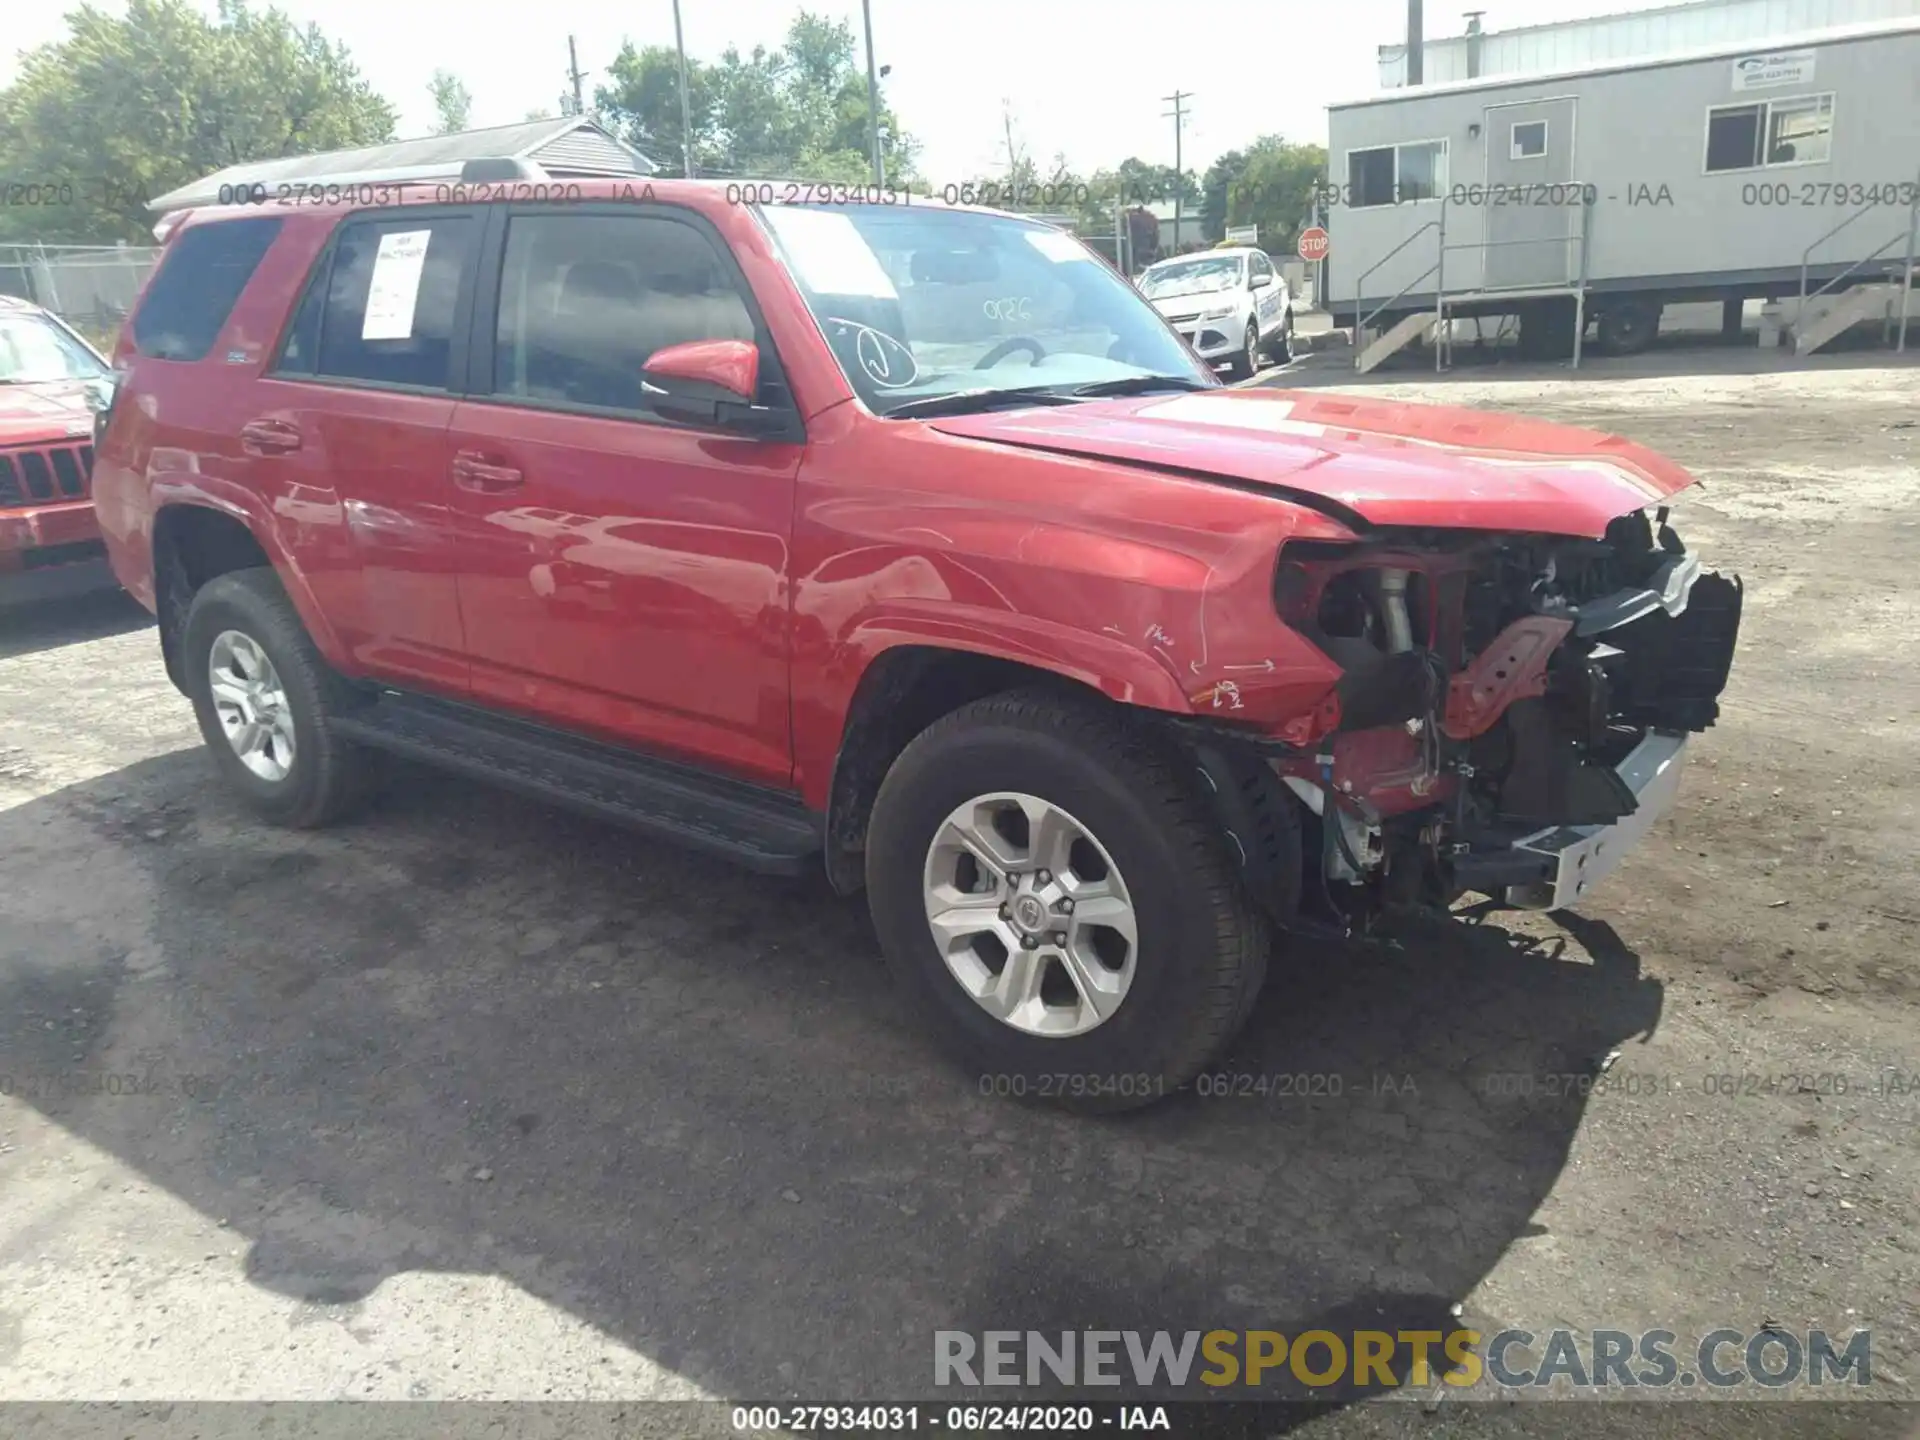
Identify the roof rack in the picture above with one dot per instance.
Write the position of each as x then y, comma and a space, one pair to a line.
488, 170
567, 148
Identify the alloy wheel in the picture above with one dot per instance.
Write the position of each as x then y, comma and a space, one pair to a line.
251, 704
1030, 914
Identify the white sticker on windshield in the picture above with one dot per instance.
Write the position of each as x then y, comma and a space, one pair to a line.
830, 253
395, 286
1056, 246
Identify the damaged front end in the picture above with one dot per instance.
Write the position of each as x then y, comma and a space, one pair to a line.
1513, 710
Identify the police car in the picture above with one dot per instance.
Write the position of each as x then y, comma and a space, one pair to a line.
1229, 304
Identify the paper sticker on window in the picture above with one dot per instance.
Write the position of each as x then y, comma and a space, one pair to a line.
829, 253
1056, 246
395, 286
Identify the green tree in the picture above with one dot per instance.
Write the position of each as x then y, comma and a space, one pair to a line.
1274, 189
799, 111
1221, 176
452, 102
130, 106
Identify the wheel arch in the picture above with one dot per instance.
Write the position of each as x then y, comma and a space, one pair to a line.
903, 689
194, 541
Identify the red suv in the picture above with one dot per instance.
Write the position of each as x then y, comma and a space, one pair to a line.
905, 542
51, 385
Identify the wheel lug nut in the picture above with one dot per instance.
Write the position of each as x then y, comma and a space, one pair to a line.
1028, 942
1064, 905
1041, 877
1006, 912
1059, 937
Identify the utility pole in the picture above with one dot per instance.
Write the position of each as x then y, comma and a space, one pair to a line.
575, 77
573, 70
686, 109
1178, 115
873, 98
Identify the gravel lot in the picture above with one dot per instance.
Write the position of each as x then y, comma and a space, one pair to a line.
476, 1100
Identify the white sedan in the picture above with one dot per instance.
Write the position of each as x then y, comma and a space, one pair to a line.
1228, 304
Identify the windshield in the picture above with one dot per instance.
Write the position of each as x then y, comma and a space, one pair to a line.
34, 348
919, 302
1192, 277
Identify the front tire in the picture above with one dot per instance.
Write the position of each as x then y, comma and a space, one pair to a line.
1057, 903
1280, 348
1246, 364
265, 700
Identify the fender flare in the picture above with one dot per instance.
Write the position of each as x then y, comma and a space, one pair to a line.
248, 510
1103, 664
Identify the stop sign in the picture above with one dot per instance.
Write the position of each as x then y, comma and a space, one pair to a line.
1313, 243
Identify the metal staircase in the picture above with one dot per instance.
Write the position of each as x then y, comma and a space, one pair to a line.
1877, 286
1371, 347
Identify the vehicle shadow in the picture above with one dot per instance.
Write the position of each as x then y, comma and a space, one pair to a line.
470, 1034
29, 627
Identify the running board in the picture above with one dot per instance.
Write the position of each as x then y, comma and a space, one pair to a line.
770, 831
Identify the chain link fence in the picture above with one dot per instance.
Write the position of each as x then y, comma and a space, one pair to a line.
91, 287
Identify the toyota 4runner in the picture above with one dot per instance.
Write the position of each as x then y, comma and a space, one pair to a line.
905, 543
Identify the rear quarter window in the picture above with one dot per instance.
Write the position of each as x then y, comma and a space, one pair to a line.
199, 281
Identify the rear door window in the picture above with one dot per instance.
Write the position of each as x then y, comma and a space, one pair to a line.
393, 297
199, 282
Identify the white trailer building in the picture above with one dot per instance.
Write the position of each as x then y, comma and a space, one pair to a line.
1599, 193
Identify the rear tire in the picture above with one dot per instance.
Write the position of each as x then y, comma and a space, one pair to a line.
320, 777
1627, 327
1199, 948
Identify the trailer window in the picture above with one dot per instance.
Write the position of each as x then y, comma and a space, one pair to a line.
1774, 132
1370, 177
1800, 132
1529, 140
1423, 170
1733, 138
1391, 174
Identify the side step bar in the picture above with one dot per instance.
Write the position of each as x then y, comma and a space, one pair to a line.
766, 830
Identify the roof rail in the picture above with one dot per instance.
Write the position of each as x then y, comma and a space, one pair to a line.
491, 169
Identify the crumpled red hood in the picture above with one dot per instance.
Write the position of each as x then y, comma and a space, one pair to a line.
1385, 462
46, 410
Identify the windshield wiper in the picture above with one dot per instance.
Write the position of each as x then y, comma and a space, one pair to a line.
1135, 385
963, 402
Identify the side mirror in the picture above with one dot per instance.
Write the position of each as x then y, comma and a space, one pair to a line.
707, 382
1261, 282
730, 366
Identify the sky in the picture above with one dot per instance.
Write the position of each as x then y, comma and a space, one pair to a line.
1086, 78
